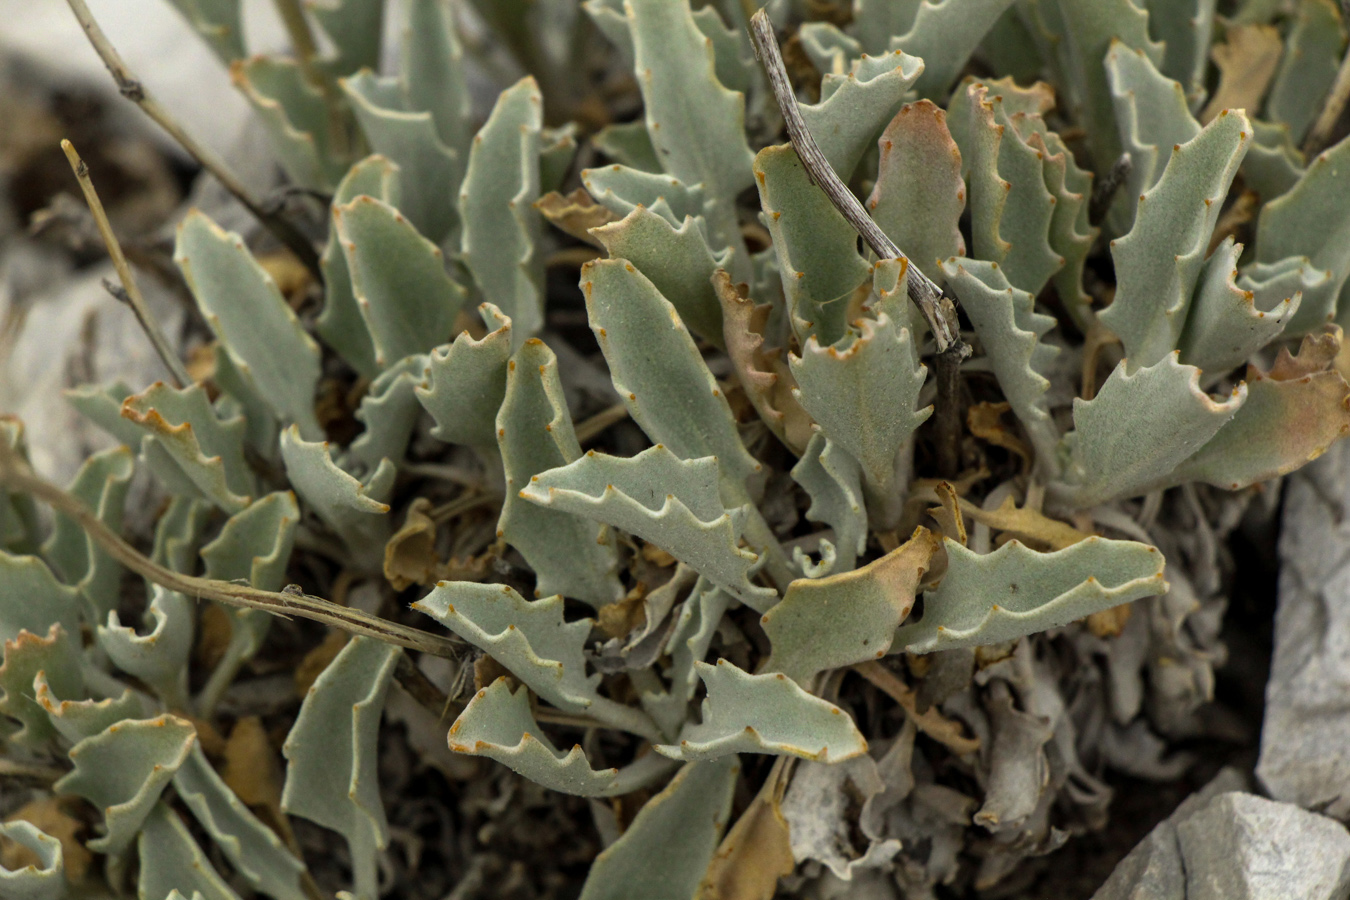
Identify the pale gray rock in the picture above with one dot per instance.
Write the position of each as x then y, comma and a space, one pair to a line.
1305, 739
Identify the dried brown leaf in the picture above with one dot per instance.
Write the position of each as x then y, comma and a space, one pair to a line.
252, 771
932, 723
575, 214
1247, 60
983, 420
755, 852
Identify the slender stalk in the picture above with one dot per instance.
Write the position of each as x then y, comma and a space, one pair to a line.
131, 88
1105, 191
937, 307
307, 51
1319, 136
132, 293
589, 429
18, 476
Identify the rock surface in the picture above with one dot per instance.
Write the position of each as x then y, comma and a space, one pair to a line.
1305, 739
1223, 844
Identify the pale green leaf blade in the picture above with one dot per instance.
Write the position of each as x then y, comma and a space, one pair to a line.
253, 322
672, 503
1185, 28
1312, 54
46, 600
354, 510
331, 767
496, 203
398, 278
1273, 164
943, 35
295, 117
102, 405
433, 72
44, 881
1294, 276
101, 484
1159, 261
875, 22
466, 382
630, 144
1015, 591
178, 533
26, 657
667, 848
389, 411
570, 556
158, 657
219, 23
830, 50
355, 27
173, 863
919, 194
1225, 327
124, 769
79, 719
767, 713
833, 481
855, 106
622, 189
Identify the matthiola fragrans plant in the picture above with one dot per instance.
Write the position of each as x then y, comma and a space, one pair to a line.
714, 555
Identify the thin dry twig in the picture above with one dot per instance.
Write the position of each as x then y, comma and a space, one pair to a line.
1319, 136
937, 306
131, 293
17, 475
307, 51
132, 88
589, 429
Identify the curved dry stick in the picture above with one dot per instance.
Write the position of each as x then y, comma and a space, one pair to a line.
17, 475
131, 87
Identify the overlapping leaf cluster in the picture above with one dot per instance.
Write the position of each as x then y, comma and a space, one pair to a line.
660, 584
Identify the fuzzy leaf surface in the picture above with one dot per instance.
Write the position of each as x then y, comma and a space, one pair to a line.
173, 863
855, 106
466, 382
44, 881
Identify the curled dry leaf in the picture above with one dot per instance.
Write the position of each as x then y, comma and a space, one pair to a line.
575, 214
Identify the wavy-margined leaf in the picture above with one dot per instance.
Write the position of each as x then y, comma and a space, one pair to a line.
571, 556
678, 262
817, 250
1185, 28
863, 391
763, 372
498, 723
189, 448
253, 849
219, 23
429, 171
667, 848
101, 484
629, 144
695, 124
1294, 276
466, 382
1094, 24
355, 510
1225, 326
1140, 426
46, 600
398, 278
178, 532
1015, 591
390, 411
102, 405
432, 68
828, 623
944, 33
26, 656
253, 322
1010, 206
296, 117
159, 657
1011, 332
331, 765
496, 203
833, 481
696, 624
830, 49
856, 105
123, 770
355, 28
1292, 415
18, 512
1152, 115
1159, 261
659, 373
76, 720
622, 189
919, 194
672, 503
1273, 164
1312, 54
44, 881
173, 863
1312, 220
767, 713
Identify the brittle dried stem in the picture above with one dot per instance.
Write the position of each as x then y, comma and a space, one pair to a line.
937, 307
132, 292
1319, 136
17, 475
132, 88
307, 52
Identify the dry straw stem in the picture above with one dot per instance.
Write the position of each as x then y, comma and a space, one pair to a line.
131, 88
307, 51
1319, 136
938, 308
17, 475
132, 292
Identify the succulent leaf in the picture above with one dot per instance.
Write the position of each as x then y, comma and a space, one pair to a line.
219, 22
629, 144
496, 204
159, 657
1273, 164
622, 189
944, 35
856, 105
171, 861
390, 411
355, 510
1294, 276
398, 278
355, 28
833, 481
466, 382
1158, 263
1015, 591
767, 713
101, 484
123, 770
1185, 29
46, 600
296, 117
433, 72
1312, 54
253, 322
178, 534
832, 622
571, 556
331, 770
76, 720
831, 50
27, 656
44, 881
667, 848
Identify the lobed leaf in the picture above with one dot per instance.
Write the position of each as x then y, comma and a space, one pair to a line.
856, 105
466, 382
353, 509
171, 861
295, 116
1312, 54
159, 657
355, 28
51, 656
389, 411
44, 881
101, 484
1185, 29
622, 189
944, 34
219, 22
1225, 327
833, 481
46, 600
76, 720
1294, 276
